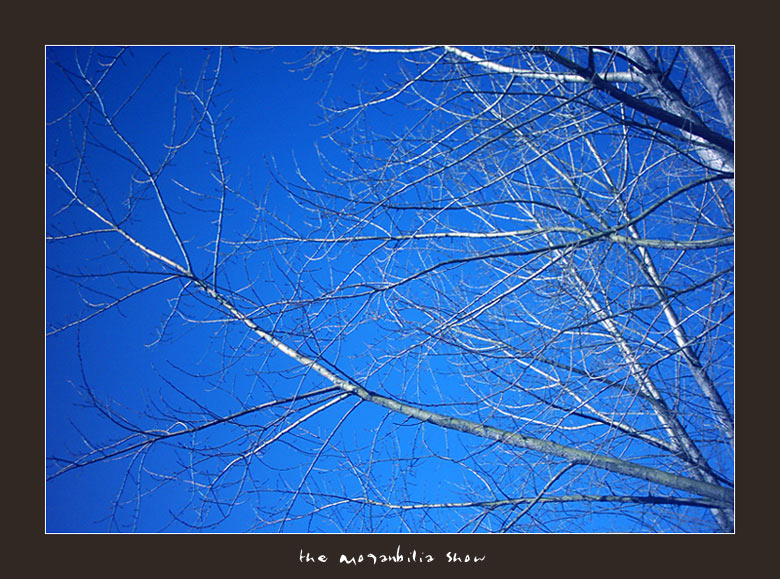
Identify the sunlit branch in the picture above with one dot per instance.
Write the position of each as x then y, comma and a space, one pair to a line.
622, 239
614, 76
150, 252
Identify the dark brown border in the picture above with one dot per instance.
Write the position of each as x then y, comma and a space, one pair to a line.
299, 23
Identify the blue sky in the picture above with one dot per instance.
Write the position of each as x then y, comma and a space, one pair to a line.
277, 124
278, 111
269, 110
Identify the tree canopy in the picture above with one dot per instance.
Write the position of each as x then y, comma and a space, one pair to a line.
392, 289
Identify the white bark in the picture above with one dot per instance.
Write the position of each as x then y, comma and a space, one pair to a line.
716, 80
672, 101
617, 76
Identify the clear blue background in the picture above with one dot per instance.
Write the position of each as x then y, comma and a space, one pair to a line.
276, 133
277, 125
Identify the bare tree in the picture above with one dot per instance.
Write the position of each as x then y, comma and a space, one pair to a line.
508, 307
